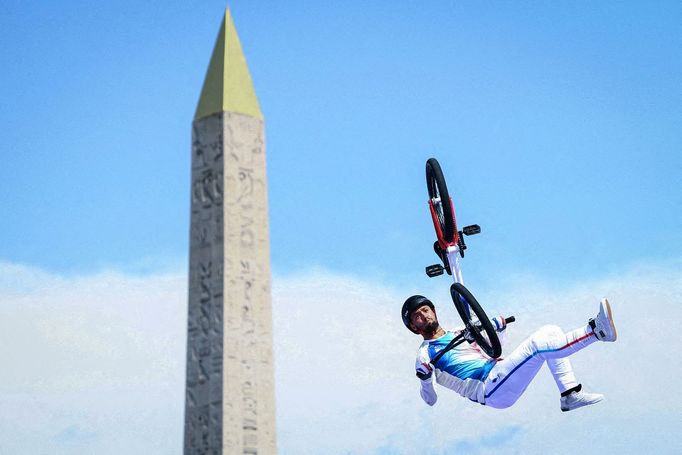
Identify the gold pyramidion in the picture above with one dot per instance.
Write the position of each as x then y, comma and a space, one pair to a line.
228, 86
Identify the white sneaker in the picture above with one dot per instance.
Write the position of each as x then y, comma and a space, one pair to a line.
602, 325
577, 400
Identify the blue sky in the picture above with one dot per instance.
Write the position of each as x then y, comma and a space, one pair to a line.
558, 126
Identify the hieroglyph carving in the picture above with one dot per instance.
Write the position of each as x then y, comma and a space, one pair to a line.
230, 382
204, 400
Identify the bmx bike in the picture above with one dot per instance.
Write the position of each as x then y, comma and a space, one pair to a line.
449, 247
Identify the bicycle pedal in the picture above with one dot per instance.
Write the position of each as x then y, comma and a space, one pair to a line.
434, 270
472, 229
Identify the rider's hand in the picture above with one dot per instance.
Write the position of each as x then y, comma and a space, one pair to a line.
424, 371
499, 323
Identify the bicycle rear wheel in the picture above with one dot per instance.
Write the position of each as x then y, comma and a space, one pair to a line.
475, 320
440, 200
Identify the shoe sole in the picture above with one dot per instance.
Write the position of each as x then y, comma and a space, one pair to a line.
582, 405
605, 302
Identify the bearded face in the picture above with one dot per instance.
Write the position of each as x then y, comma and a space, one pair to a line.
424, 320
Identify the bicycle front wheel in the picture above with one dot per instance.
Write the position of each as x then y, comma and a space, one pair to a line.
475, 320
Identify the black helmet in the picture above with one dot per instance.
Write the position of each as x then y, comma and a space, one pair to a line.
412, 304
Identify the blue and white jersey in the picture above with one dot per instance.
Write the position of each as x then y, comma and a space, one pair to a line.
462, 369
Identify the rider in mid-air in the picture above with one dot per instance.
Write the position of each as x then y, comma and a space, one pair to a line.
498, 383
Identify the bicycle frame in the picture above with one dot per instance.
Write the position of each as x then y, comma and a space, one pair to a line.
453, 259
451, 249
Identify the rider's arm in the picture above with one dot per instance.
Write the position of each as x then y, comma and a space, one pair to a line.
427, 392
425, 375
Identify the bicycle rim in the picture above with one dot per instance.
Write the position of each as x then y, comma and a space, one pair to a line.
440, 199
472, 314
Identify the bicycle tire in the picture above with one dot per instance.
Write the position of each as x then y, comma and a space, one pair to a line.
435, 183
461, 297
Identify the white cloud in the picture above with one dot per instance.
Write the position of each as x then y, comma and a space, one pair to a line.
90, 364
95, 364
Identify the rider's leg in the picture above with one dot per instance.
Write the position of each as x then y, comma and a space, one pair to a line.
510, 377
562, 372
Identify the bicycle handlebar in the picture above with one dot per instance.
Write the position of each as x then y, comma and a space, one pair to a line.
509, 319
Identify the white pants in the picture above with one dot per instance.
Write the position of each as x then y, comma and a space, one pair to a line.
510, 377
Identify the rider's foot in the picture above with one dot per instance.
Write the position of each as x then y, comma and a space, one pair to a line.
602, 325
579, 399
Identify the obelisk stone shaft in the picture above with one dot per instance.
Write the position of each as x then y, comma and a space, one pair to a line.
230, 403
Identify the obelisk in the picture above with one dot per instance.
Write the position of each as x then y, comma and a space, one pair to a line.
230, 399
